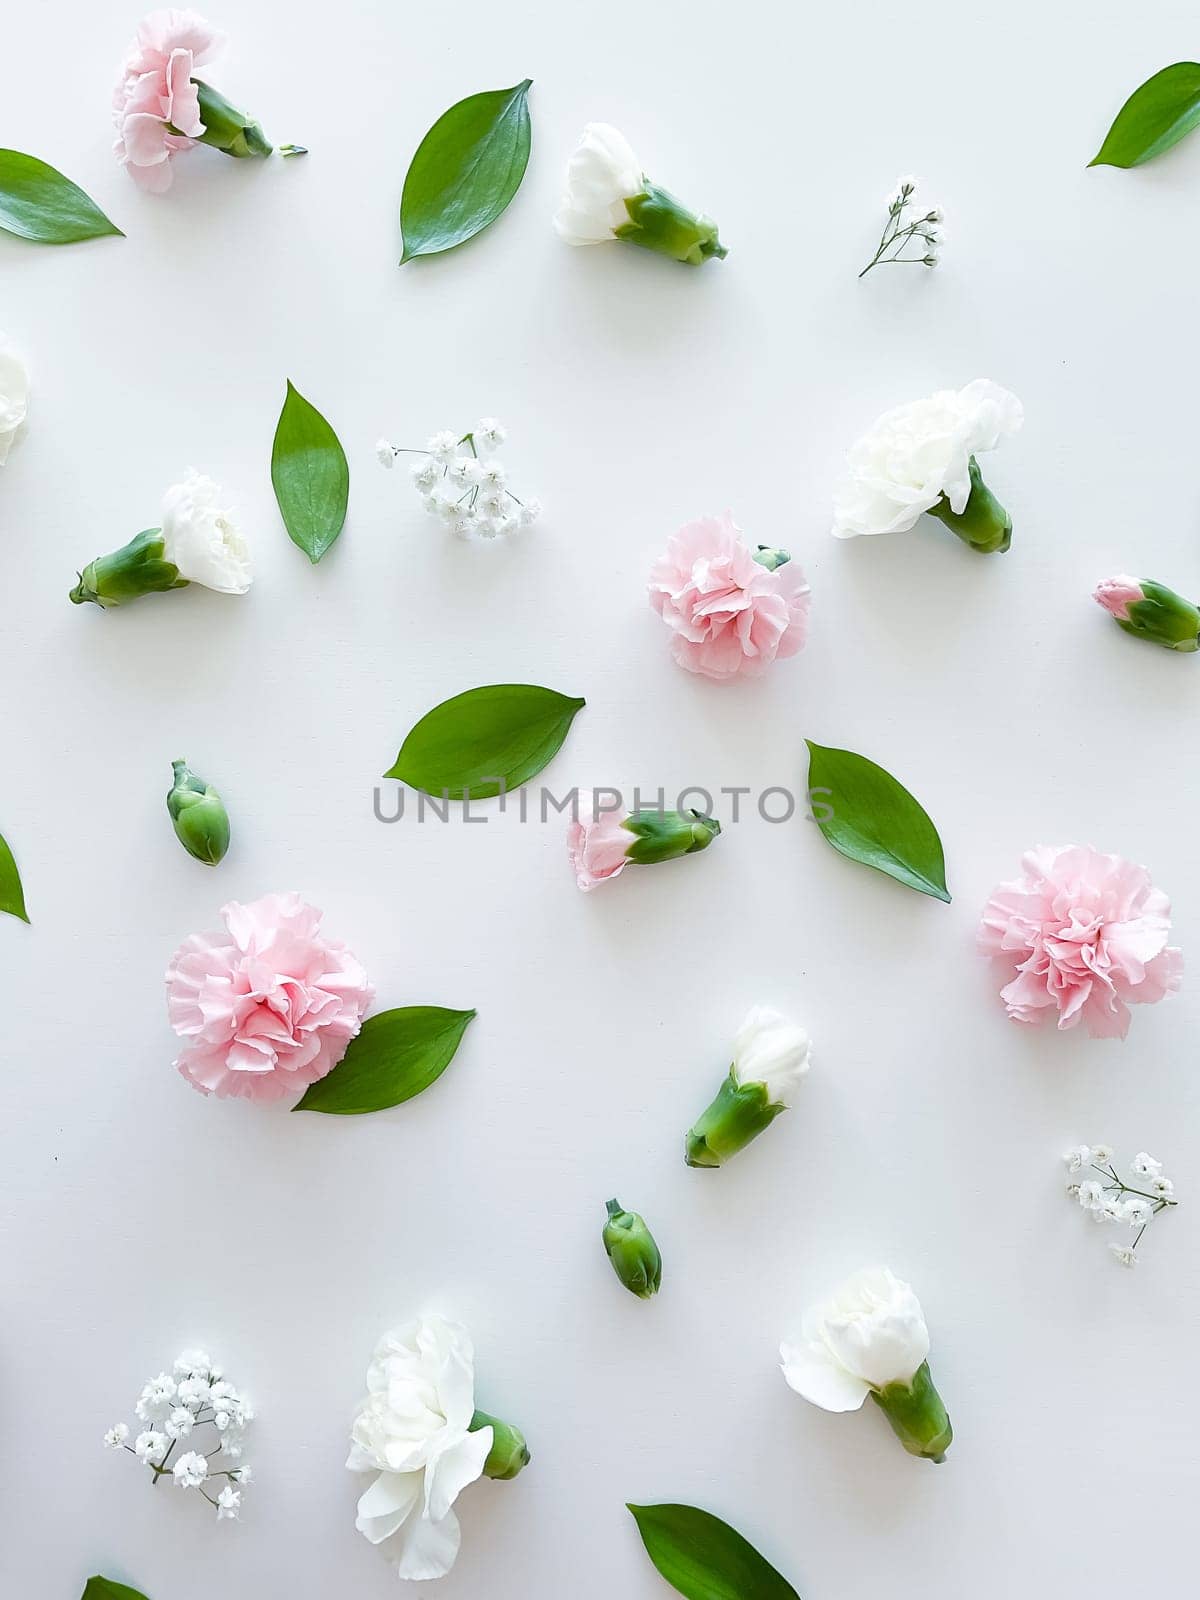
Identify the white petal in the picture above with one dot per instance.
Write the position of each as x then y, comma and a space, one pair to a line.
428, 1549
387, 1504
811, 1371
451, 1472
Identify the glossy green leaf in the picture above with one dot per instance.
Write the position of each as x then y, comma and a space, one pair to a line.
310, 476
38, 203
485, 742
12, 895
1154, 118
397, 1055
105, 1589
875, 820
466, 170
704, 1558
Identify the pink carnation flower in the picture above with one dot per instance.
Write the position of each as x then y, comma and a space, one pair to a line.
156, 90
268, 1006
1116, 595
597, 845
1084, 933
728, 613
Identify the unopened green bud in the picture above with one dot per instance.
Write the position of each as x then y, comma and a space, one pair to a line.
919, 1419
226, 128
198, 812
738, 1113
135, 569
658, 221
1151, 611
664, 835
509, 1452
631, 1249
983, 523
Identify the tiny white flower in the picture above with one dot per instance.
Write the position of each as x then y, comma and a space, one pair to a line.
506, 526
464, 525
1102, 1154
1073, 1191
242, 1475
491, 433
180, 1423
156, 1398
385, 450
194, 1364
1111, 1210
1091, 1195
1137, 1211
1126, 1256
445, 503
1145, 1166
492, 474
231, 1445
1163, 1187
425, 473
193, 1392
1077, 1157
190, 1470
901, 194
443, 446
460, 470
492, 503
530, 511
229, 1503
116, 1437
150, 1447
936, 215
486, 527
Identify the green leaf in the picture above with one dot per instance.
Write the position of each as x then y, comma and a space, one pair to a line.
485, 742
396, 1056
704, 1558
12, 896
310, 476
105, 1589
466, 170
38, 203
876, 821
1155, 117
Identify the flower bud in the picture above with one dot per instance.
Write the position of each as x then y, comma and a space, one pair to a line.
771, 557
198, 812
509, 1452
631, 1249
664, 835
770, 1056
137, 568
228, 129
983, 523
1151, 611
918, 1415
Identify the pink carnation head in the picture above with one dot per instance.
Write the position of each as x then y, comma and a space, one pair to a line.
1116, 595
728, 613
268, 1006
155, 92
1082, 934
596, 843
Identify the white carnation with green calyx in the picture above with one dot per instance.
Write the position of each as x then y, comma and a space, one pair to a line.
771, 1055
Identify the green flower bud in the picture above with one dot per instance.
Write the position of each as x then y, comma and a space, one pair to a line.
226, 128
664, 835
738, 1114
658, 221
135, 569
919, 1419
631, 1249
1151, 611
509, 1452
198, 812
983, 523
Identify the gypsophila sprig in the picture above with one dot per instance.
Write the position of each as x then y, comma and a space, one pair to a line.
1108, 1198
193, 1428
913, 239
461, 482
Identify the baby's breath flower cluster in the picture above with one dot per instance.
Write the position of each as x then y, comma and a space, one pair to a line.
1110, 1199
173, 1409
461, 482
912, 241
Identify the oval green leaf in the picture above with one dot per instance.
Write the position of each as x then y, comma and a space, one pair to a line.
466, 170
395, 1056
485, 742
876, 821
310, 476
704, 1558
1154, 118
12, 895
105, 1589
38, 203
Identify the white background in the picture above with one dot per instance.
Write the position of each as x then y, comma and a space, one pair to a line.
139, 1217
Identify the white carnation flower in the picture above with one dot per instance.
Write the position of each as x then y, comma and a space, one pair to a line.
200, 539
14, 396
601, 175
770, 1050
